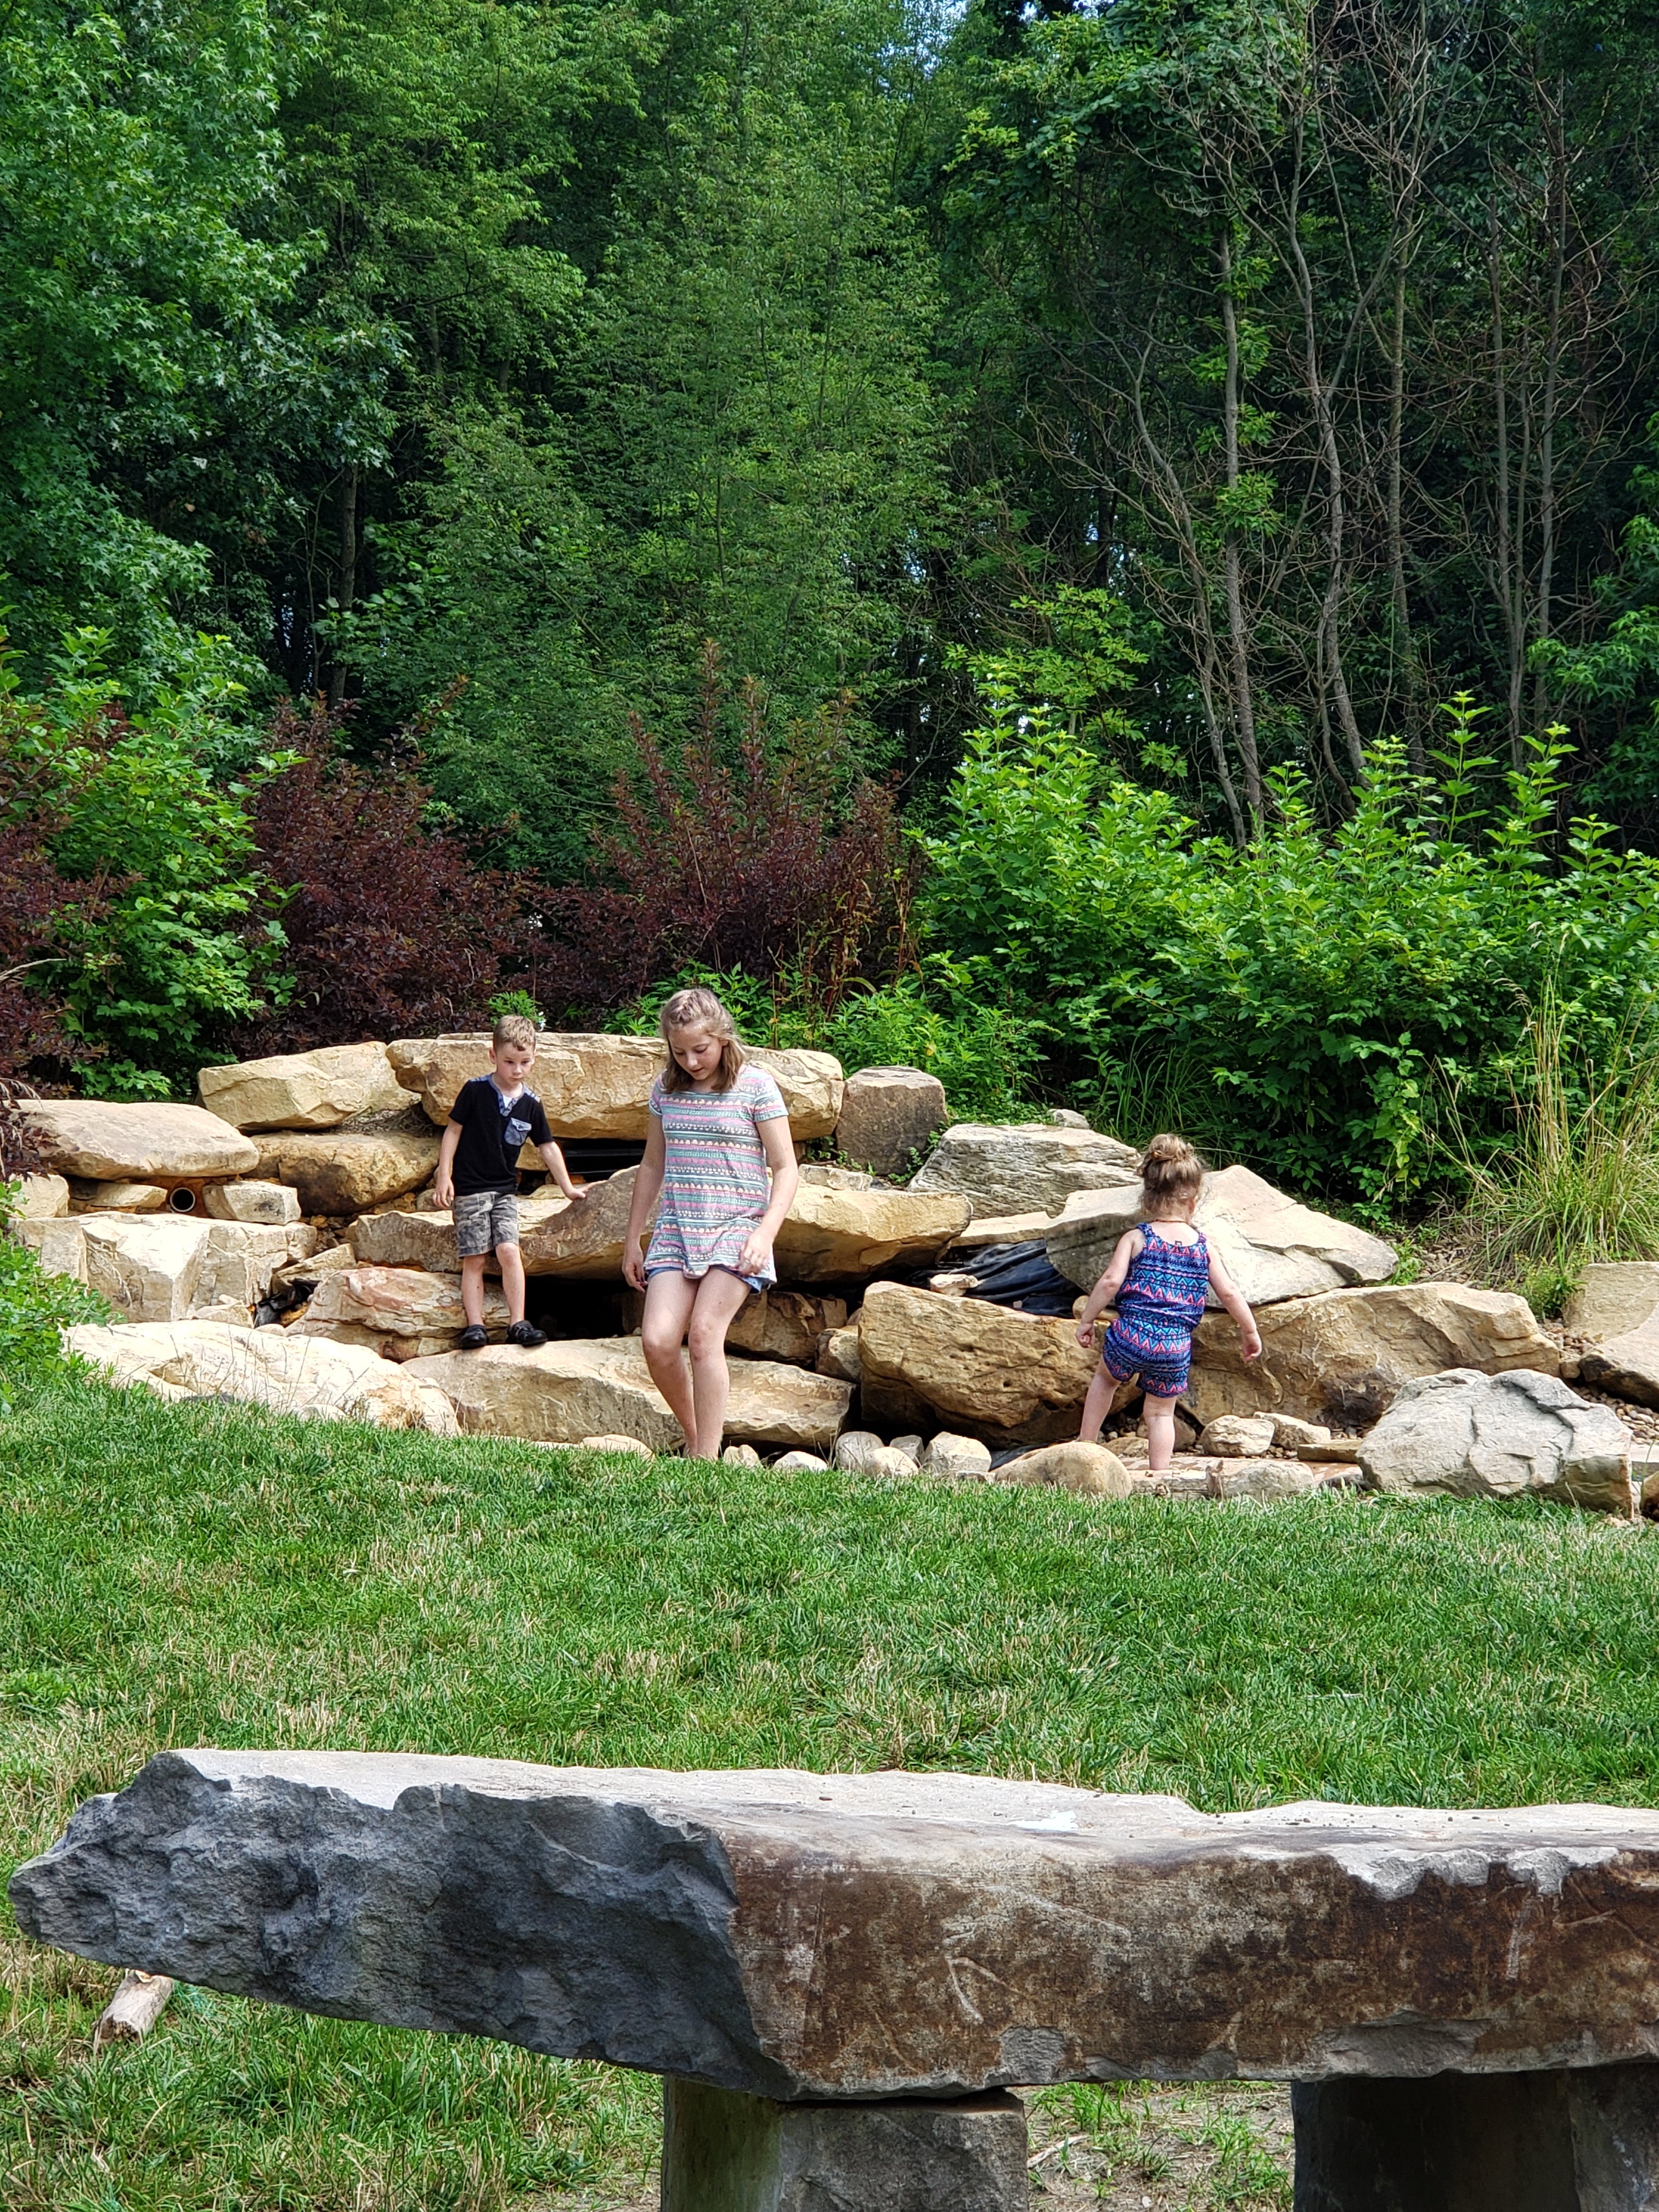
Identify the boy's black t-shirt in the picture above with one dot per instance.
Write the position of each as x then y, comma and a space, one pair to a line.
492, 1132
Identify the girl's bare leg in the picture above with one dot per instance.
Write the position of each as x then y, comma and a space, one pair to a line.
718, 1297
669, 1299
1160, 1431
1102, 1389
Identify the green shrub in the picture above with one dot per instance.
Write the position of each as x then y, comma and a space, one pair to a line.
1298, 1003
34, 1308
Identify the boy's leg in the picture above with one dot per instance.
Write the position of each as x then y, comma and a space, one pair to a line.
510, 1260
473, 1288
718, 1297
1160, 1431
669, 1299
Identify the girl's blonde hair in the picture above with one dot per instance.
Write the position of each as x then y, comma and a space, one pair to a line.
697, 1009
1169, 1168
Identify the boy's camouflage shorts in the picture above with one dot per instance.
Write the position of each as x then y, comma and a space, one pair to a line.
485, 1220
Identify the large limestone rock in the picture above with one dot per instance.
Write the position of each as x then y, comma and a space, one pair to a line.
269, 1367
598, 1086
402, 1313
1092, 1470
1025, 1167
151, 1267
303, 1089
88, 1197
1627, 1365
982, 1369
835, 1236
1339, 1358
242, 1259
41, 1198
149, 1143
1273, 1248
1497, 1435
269, 1204
832, 1235
785, 1325
57, 1242
887, 1113
804, 1936
345, 1171
1614, 1298
595, 1386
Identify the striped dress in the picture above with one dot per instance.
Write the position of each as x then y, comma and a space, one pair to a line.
715, 1183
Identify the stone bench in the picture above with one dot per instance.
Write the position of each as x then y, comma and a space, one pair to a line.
842, 1976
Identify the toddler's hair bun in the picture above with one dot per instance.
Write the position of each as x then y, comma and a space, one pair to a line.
1170, 1169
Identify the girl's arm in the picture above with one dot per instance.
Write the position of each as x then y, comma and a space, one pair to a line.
648, 1182
443, 1188
1129, 1249
756, 1257
1233, 1298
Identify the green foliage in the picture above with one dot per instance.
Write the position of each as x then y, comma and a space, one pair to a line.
167, 946
34, 1308
1293, 996
984, 1053
136, 152
1573, 1175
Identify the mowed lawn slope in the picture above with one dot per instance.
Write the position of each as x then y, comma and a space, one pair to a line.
200, 1575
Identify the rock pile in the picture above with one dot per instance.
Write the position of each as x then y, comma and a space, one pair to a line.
295, 1195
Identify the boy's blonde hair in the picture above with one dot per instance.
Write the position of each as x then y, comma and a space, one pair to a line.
514, 1029
1170, 1169
697, 1009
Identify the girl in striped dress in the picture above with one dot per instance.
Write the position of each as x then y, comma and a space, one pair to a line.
718, 1149
1160, 1279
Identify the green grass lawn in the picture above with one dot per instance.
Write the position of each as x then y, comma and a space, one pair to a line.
201, 1575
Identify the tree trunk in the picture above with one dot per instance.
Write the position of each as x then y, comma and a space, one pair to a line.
347, 590
1244, 707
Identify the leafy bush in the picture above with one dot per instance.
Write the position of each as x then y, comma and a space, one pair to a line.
984, 1055
141, 818
34, 1308
1292, 1002
781, 861
389, 927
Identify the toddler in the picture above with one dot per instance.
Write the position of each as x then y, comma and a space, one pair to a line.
1160, 1278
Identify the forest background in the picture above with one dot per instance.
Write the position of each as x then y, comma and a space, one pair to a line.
1112, 551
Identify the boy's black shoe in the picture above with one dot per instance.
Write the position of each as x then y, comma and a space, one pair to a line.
473, 1339
526, 1333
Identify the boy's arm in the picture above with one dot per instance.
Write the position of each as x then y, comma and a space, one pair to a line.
1129, 1250
553, 1161
443, 1187
1234, 1300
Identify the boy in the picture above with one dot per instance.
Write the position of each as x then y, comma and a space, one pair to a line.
479, 1175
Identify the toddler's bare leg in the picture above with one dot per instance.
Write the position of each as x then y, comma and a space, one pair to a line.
718, 1297
510, 1260
1102, 1389
1160, 1431
473, 1287
669, 1299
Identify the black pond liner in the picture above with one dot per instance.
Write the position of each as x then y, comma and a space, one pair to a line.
1022, 1276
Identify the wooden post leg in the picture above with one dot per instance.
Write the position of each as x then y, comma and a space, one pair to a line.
1580, 2141
723, 2152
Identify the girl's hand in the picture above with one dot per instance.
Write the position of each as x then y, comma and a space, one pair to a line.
1085, 1335
1252, 1344
756, 1257
633, 1264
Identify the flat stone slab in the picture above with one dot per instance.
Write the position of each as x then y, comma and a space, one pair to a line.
866, 1936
